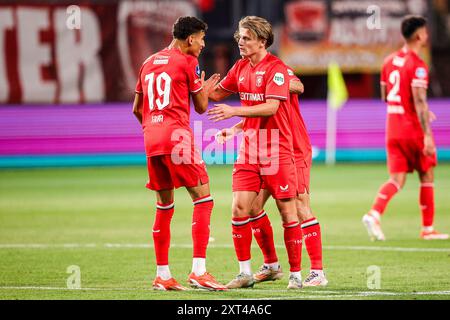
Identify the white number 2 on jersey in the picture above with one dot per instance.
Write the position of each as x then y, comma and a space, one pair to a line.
162, 100
394, 79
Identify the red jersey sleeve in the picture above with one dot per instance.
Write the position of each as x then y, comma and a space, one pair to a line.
277, 86
193, 74
419, 75
230, 83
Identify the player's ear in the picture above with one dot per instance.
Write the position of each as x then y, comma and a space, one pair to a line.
190, 40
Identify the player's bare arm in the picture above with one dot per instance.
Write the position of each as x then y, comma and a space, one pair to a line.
200, 99
383, 92
422, 110
223, 111
296, 86
137, 106
219, 93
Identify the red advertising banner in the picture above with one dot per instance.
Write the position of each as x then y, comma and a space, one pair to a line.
63, 53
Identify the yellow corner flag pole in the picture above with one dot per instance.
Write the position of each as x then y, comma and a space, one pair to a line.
336, 98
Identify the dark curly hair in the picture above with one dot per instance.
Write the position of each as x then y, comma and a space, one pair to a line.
185, 26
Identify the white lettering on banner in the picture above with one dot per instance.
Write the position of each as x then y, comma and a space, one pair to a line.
71, 55
246, 96
33, 55
6, 22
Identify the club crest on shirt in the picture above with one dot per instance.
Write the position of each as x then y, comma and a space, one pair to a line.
278, 78
421, 73
197, 70
259, 81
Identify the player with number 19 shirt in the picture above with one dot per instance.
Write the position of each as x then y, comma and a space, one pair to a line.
168, 78
162, 105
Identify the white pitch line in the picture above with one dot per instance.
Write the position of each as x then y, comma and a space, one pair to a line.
189, 246
300, 296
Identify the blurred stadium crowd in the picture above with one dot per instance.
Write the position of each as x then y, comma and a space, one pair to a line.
90, 51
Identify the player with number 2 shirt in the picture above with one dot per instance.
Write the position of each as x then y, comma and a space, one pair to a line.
410, 143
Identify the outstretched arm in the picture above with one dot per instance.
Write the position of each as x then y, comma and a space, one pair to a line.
219, 93
223, 111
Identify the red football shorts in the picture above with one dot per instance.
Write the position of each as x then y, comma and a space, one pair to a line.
282, 184
303, 175
406, 155
163, 174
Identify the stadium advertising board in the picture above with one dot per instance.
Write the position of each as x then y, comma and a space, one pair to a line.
64, 53
357, 34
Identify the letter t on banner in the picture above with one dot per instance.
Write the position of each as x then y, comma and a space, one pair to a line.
336, 98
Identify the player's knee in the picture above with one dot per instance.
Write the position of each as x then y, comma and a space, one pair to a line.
240, 210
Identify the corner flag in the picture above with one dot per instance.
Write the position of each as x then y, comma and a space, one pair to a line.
336, 98
337, 91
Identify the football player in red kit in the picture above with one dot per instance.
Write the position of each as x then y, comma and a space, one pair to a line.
410, 144
260, 223
166, 81
261, 80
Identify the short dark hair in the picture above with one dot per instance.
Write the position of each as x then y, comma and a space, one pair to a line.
185, 26
410, 24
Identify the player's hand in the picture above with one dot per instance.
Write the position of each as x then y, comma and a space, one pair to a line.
224, 135
210, 84
220, 112
429, 148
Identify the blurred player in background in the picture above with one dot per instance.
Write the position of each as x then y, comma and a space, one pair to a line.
260, 223
410, 143
162, 106
261, 80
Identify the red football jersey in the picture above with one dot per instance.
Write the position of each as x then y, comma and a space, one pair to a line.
401, 71
301, 142
166, 79
255, 84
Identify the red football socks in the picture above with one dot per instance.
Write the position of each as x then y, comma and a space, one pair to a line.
313, 242
242, 237
263, 232
293, 243
386, 192
200, 225
427, 203
161, 232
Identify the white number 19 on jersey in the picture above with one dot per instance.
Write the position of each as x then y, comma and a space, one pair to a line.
162, 100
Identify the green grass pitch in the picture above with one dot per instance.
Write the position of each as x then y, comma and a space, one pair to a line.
100, 220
